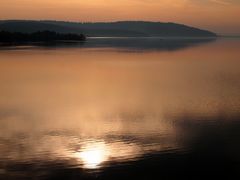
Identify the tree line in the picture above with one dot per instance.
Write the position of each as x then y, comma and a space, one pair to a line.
40, 36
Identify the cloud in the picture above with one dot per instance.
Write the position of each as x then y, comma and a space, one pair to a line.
221, 2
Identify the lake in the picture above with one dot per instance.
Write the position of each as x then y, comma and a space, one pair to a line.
121, 108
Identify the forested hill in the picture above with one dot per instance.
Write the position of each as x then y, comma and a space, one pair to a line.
111, 29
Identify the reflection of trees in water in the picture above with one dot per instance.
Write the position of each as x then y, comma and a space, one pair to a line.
135, 44
169, 44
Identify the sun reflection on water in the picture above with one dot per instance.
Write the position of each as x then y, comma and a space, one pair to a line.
93, 154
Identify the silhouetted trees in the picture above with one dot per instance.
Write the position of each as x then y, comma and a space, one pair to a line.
40, 36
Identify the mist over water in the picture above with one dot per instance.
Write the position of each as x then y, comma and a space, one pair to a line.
117, 108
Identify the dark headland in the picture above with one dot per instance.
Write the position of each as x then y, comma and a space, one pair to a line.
107, 29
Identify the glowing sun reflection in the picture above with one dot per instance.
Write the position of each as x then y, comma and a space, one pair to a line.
92, 155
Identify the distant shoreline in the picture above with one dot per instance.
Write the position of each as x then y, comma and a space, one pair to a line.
153, 37
229, 36
108, 29
71, 41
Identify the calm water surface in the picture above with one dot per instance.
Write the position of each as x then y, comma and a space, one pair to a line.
120, 108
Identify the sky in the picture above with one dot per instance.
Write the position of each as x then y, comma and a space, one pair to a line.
220, 16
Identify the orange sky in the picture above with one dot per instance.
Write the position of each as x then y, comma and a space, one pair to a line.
221, 16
